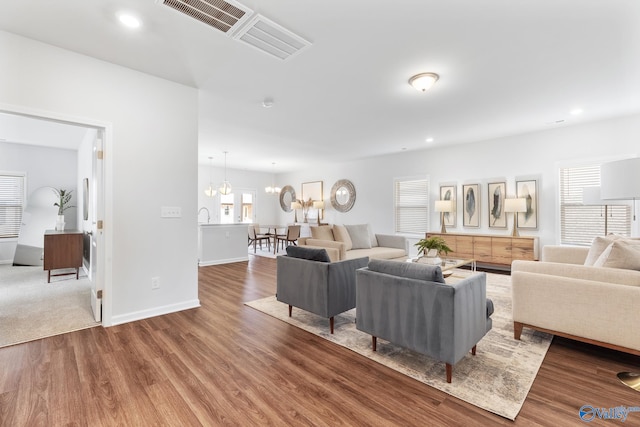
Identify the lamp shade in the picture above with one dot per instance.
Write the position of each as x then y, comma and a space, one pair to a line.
318, 204
591, 197
620, 180
515, 205
296, 205
443, 206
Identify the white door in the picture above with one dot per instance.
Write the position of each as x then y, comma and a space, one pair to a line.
238, 206
96, 203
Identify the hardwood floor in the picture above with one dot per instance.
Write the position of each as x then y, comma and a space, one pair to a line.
225, 363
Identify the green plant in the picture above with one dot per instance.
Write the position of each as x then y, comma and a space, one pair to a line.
64, 197
434, 242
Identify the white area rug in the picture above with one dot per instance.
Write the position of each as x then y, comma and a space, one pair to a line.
497, 379
31, 308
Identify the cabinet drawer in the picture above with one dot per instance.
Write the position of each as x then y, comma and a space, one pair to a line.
501, 250
464, 246
522, 249
482, 249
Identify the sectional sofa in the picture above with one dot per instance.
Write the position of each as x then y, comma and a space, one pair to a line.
355, 241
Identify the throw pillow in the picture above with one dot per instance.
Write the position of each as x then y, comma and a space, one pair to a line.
620, 254
322, 232
598, 246
410, 270
359, 234
372, 236
342, 235
312, 254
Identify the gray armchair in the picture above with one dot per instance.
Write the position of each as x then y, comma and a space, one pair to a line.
409, 305
317, 285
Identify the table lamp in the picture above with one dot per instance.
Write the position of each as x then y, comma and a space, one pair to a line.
443, 206
295, 206
318, 204
515, 206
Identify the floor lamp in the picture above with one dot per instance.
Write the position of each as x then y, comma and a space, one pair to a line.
620, 180
591, 197
443, 206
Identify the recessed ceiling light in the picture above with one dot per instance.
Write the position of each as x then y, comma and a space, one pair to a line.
429, 139
129, 20
576, 111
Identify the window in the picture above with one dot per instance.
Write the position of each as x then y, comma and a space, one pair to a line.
579, 223
411, 198
11, 203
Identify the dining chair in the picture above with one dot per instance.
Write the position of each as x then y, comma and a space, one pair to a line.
293, 233
255, 238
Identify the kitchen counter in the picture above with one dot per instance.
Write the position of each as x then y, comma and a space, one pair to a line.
222, 243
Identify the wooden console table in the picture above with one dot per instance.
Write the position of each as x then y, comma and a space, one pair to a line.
491, 249
62, 249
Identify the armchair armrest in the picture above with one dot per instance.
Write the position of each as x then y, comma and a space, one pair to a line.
392, 241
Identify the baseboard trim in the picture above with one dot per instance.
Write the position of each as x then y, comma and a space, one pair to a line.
153, 312
222, 261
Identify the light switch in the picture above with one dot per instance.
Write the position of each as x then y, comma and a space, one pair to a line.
171, 212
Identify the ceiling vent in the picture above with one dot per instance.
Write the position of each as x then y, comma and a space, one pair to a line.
271, 38
219, 14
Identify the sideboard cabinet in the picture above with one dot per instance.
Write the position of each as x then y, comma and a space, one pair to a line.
491, 249
62, 249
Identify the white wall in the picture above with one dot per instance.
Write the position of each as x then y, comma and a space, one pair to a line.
536, 155
45, 167
150, 159
266, 206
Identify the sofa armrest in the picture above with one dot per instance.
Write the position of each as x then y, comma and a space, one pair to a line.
575, 271
392, 241
565, 254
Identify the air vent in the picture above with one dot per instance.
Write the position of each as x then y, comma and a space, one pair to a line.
271, 38
222, 15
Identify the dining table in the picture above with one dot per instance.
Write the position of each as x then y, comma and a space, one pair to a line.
272, 231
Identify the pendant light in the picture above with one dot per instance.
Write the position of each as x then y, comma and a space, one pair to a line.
273, 190
225, 188
211, 190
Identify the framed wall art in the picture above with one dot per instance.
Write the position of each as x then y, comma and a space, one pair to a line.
528, 190
497, 192
312, 191
448, 192
471, 205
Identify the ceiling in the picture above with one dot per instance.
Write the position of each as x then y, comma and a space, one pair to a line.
506, 67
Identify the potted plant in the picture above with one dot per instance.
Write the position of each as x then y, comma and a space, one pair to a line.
64, 198
431, 248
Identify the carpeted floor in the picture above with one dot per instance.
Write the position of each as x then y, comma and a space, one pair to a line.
31, 308
497, 379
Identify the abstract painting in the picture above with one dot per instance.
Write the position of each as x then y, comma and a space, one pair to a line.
448, 192
471, 200
528, 190
497, 193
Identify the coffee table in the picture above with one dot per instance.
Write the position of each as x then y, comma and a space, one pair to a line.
450, 264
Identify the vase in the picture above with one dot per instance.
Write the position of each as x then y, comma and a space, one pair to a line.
60, 223
431, 258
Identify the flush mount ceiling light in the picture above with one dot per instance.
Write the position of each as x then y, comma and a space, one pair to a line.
129, 20
423, 82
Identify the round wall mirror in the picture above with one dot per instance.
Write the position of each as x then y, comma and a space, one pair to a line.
343, 195
287, 195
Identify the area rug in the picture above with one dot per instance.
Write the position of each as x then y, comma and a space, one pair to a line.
31, 308
497, 379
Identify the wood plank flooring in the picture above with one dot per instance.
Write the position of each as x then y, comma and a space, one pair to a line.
227, 364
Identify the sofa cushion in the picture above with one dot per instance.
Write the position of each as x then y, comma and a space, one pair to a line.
360, 237
311, 254
328, 244
372, 236
341, 234
430, 273
620, 254
322, 232
598, 245
380, 252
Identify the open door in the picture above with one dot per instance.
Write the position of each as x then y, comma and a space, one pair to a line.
96, 200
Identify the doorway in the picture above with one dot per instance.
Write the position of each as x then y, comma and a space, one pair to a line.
89, 188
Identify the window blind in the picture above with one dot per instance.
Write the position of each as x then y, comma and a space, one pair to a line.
11, 204
579, 224
411, 200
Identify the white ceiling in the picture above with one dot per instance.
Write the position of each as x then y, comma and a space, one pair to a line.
26, 130
506, 67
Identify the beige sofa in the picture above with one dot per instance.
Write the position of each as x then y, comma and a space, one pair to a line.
598, 303
355, 241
